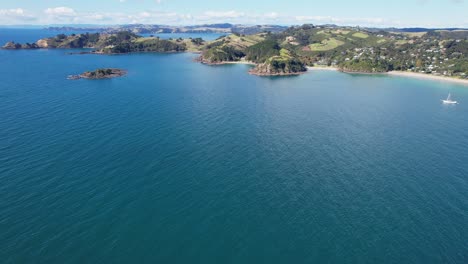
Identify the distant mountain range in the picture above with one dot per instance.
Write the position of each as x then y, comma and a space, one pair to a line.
155, 29
219, 28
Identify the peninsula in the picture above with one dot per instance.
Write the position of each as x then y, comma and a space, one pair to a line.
102, 43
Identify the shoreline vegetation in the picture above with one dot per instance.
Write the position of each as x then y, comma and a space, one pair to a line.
435, 54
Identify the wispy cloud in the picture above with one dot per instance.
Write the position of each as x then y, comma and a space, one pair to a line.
60, 11
16, 15
369, 21
423, 2
15, 11
156, 1
222, 14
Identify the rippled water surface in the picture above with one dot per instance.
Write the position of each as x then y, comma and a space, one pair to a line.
179, 162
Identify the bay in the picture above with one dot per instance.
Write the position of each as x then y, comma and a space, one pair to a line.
180, 162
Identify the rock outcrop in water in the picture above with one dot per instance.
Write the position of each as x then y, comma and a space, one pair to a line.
99, 74
13, 45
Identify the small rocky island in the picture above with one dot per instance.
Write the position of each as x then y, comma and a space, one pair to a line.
99, 74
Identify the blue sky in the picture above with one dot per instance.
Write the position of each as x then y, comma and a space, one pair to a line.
380, 13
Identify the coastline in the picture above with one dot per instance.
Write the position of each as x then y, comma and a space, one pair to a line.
322, 68
240, 62
252, 72
401, 74
309, 68
226, 62
428, 77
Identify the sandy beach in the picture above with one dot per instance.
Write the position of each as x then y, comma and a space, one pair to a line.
428, 77
403, 74
239, 62
392, 73
322, 68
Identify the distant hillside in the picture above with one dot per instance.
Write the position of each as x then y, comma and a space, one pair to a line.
224, 28
427, 29
351, 49
288, 51
414, 30
117, 43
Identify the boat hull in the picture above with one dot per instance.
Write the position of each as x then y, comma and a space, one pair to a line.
449, 102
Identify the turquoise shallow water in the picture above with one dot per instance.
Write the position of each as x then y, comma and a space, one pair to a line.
180, 162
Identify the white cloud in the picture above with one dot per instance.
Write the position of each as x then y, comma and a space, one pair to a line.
363, 21
423, 2
61, 14
16, 16
222, 14
272, 15
60, 11
237, 17
157, 1
14, 12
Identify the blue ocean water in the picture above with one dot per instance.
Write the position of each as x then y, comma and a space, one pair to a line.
179, 162
31, 35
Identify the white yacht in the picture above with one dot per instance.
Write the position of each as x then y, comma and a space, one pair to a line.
449, 100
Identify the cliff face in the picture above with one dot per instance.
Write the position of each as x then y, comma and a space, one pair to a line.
42, 43
279, 66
